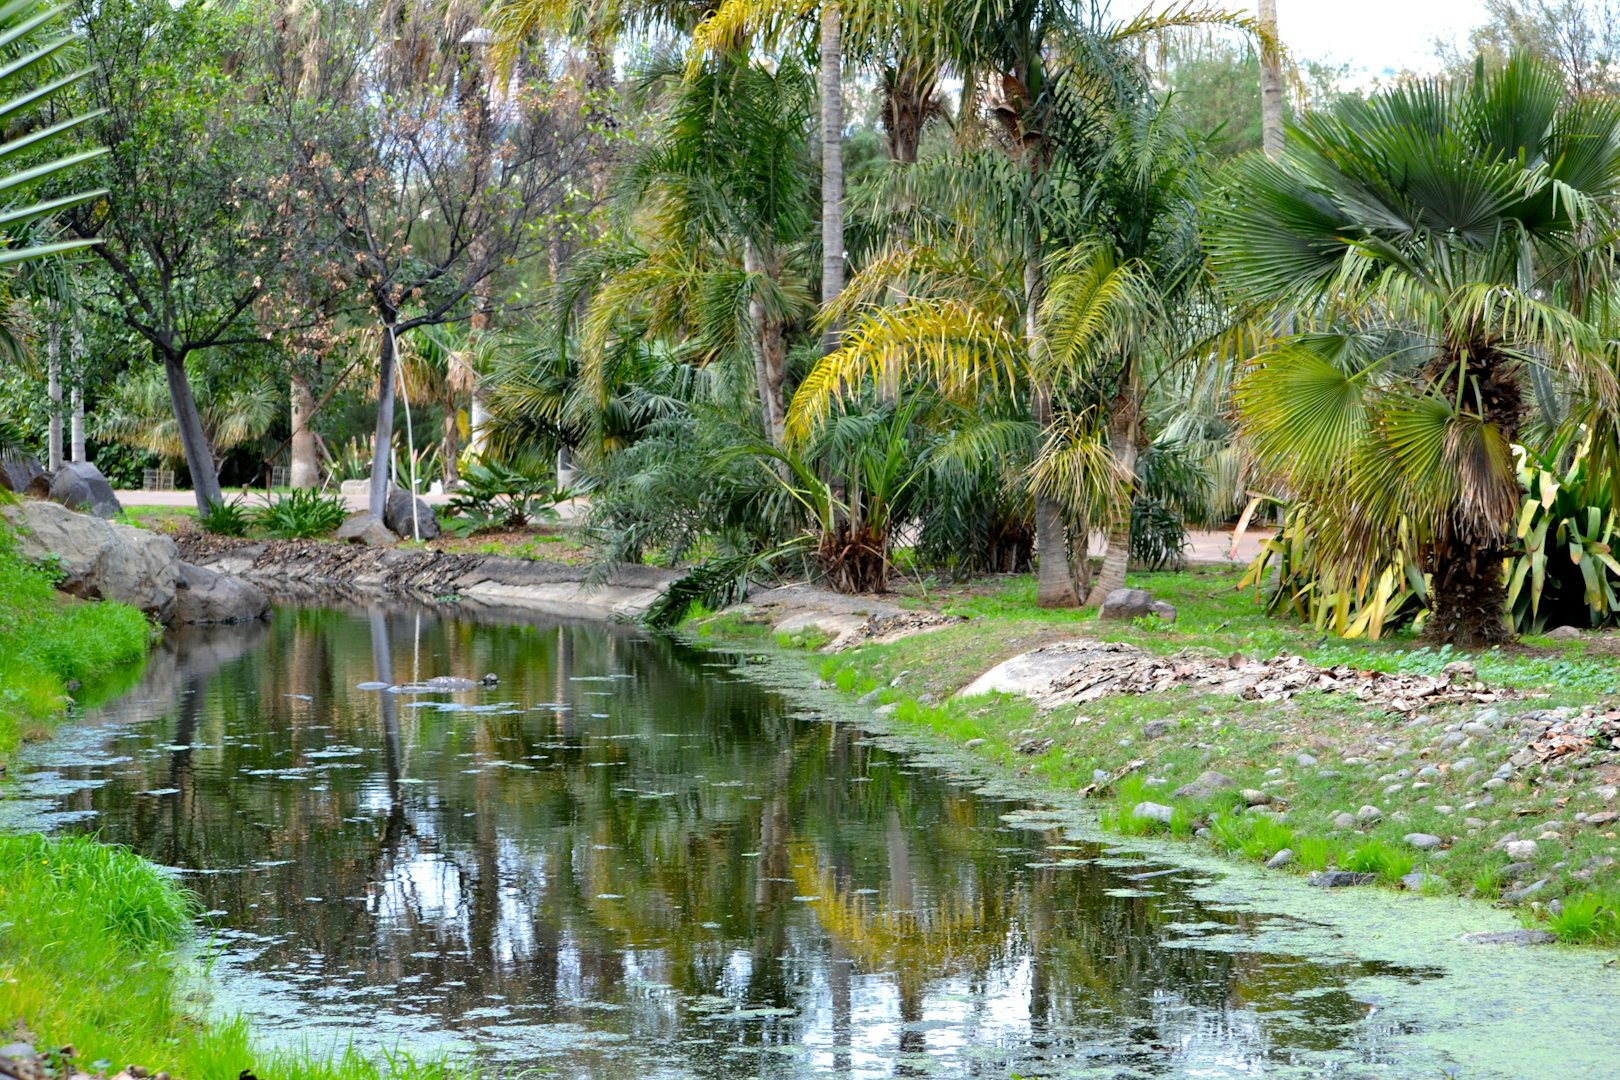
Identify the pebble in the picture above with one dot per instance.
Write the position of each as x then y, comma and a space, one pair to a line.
1274, 772
1152, 811
1280, 860
1429, 770
1157, 729
1520, 849
1495, 783
1466, 764
1476, 729
1305, 761
1510, 937
971, 743
1393, 789
1369, 814
1423, 841
1473, 822
1416, 880
1207, 784
1344, 821
1339, 879
1513, 896
1254, 797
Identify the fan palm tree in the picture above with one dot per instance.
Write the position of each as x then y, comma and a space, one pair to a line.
1436, 246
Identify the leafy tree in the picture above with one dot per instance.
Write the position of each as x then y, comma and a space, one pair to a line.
1437, 247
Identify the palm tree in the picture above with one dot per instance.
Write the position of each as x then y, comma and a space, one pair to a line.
1271, 89
1437, 246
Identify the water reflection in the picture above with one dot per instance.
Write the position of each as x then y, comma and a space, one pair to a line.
626, 859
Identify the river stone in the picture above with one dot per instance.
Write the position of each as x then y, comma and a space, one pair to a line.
1152, 811
362, 528
1344, 820
1281, 859
1519, 850
1564, 633
207, 596
1207, 784
1135, 604
1369, 814
397, 515
1511, 937
1524, 892
1423, 841
1305, 761
1256, 797
1339, 879
97, 560
1417, 880
18, 471
79, 485
1157, 729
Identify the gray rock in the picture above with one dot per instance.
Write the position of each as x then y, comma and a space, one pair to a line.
1157, 729
1524, 892
397, 515
490, 679
1339, 879
1135, 604
1152, 811
207, 596
1510, 937
1281, 859
1255, 797
1344, 821
1207, 784
19, 1051
79, 485
1369, 814
1495, 783
1460, 671
1520, 849
362, 528
972, 743
18, 471
1564, 633
1416, 880
97, 560
868, 698
1424, 841
1515, 870
1305, 761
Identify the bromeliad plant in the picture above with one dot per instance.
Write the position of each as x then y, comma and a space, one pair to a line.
300, 515
493, 495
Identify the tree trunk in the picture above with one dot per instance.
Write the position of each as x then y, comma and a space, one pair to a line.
305, 468
382, 447
1122, 435
1468, 595
193, 439
832, 164
769, 349
450, 447
1054, 579
1271, 88
76, 365
53, 387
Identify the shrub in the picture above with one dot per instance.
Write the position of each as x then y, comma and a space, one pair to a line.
301, 514
228, 518
493, 495
1378, 857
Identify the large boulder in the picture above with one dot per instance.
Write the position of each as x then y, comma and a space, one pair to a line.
79, 485
98, 560
207, 596
1135, 604
397, 515
362, 528
17, 471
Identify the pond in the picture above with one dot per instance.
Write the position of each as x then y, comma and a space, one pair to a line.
630, 858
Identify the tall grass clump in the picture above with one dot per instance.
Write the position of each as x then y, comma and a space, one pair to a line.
301, 514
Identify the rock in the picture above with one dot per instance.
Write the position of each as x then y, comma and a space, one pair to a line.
362, 528
1207, 784
18, 471
1135, 604
79, 485
397, 515
207, 596
1564, 633
97, 560
1510, 937
1255, 797
1305, 761
1157, 729
972, 743
1152, 811
1344, 821
1516, 870
1339, 879
1520, 849
1495, 783
1423, 841
1524, 892
355, 489
1416, 880
868, 698
1280, 860
1460, 671
1369, 814
490, 679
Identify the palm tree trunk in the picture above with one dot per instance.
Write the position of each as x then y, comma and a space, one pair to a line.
305, 466
450, 448
1122, 433
193, 439
53, 383
1054, 578
382, 447
76, 363
832, 163
1271, 89
769, 348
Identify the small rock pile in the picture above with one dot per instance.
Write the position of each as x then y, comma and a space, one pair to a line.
20, 1061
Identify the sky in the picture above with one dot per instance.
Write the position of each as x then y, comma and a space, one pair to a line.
1375, 37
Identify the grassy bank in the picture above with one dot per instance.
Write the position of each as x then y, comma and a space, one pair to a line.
52, 646
1310, 760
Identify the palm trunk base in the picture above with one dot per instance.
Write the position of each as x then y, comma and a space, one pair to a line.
1116, 561
1054, 580
1468, 600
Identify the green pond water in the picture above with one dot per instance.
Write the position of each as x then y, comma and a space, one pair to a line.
630, 858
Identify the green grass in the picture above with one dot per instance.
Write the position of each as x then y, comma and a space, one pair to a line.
48, 641
88, 957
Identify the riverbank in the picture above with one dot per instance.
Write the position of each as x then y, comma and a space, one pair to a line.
1489, 775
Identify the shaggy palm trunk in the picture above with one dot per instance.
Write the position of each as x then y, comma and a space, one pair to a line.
193, 438
1116, 559
305, 467
1054, 578
53, 389
832, 164
769, 348
1271, 88
1468, 594
382, 447
76, 363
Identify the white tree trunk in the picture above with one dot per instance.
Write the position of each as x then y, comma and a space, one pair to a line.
53, 386
1271, 88
768, 350
382, 446
1054, 575
832, 163
305, 465
76, 366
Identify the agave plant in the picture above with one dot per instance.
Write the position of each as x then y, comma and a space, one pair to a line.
1431, 247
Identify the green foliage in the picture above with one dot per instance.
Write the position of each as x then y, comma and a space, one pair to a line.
1374, 856
300, 514
493, 495
229, 518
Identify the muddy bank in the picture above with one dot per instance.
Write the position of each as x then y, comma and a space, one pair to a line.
314, 570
